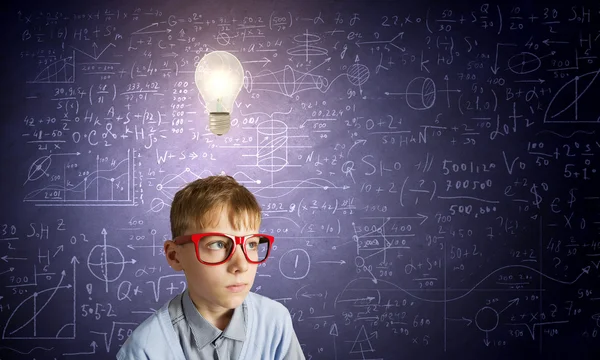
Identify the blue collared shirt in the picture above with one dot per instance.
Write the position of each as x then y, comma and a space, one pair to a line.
199, 339
269, 334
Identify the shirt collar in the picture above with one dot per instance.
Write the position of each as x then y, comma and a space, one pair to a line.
204, 332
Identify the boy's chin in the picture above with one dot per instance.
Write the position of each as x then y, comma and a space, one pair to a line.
232, 301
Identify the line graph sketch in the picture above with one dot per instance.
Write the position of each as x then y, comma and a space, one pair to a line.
170, 183
278, 189
35, 316
574, 98
95, 47
389, 286
60, 180
61, 71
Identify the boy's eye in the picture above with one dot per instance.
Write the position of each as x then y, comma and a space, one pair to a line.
217, 245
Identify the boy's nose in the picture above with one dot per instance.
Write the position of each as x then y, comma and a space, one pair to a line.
238, 260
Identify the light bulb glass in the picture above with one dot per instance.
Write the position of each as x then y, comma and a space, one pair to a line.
219, 77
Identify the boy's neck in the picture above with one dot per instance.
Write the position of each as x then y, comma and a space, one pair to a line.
219, 319
223, 321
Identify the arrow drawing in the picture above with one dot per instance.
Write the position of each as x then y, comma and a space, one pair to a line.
142, 32
264, 60
495, 67
95, 47
391, 42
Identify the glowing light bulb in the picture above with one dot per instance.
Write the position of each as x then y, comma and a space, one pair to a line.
219, 77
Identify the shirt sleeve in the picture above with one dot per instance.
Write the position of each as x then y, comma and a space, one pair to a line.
294, 351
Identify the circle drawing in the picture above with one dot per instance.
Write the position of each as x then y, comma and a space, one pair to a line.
106, 263
294, 264
487, 319
524, 63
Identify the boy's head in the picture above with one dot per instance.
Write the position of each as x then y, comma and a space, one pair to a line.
215, 204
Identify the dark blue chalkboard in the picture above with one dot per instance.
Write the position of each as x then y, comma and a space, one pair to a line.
429, 171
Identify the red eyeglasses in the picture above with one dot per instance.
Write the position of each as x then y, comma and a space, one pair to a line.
215, 248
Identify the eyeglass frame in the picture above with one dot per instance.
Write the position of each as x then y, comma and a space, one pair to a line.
238, 240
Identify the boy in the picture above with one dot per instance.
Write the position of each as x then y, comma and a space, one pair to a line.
216, 317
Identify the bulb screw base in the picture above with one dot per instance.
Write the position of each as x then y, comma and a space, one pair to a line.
219, 123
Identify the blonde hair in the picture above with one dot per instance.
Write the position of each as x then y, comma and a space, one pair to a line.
199, 205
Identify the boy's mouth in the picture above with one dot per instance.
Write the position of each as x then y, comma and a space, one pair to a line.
236, 287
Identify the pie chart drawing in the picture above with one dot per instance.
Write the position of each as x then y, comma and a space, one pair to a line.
358, 74
577, 96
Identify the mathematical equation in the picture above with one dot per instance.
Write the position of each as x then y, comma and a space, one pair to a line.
437, 163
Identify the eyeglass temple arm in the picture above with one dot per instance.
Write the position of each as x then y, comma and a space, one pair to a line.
182, 239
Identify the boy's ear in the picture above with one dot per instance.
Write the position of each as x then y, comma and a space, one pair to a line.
172, 255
